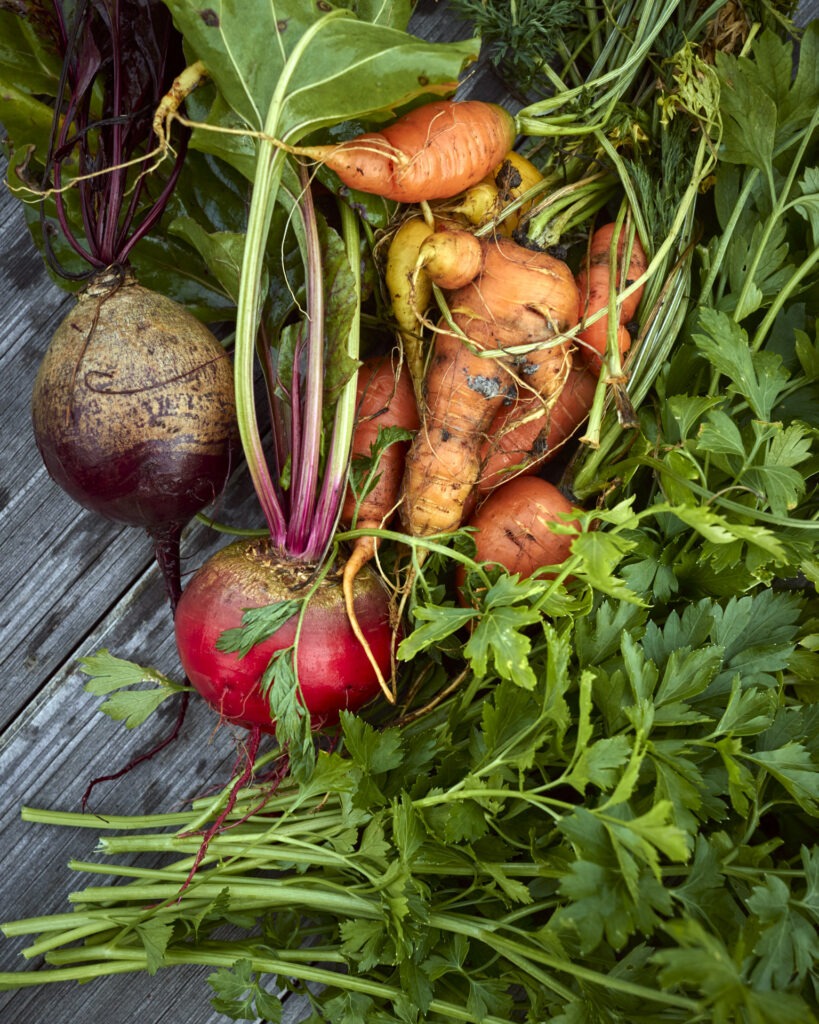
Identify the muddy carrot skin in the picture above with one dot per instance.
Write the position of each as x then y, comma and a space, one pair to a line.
523, 300
433, 152
526, 433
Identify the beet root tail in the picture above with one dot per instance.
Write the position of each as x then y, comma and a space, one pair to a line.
241, 779
146, 756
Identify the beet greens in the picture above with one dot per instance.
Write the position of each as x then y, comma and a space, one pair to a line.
119, 59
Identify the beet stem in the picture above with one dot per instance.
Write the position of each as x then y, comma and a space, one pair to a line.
306, 466
334, 483
101, 53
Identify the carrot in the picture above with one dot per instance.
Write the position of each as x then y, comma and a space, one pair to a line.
450, 258
485, 201
443, 462
433, 152
409, 290
594, 282
521, 299
408, 282
385, 398
479, 204
512, 527
526, 433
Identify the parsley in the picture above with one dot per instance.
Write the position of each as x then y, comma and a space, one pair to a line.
109, 673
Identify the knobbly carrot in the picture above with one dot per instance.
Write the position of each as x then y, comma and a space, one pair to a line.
522, 301
410, 291
450, 258
433, 152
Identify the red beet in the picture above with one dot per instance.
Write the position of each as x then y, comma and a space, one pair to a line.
333, 669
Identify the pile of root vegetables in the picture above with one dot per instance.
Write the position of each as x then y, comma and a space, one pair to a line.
492, 349
467, 646
495, 388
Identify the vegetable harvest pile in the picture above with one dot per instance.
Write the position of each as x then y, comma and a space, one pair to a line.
522, 658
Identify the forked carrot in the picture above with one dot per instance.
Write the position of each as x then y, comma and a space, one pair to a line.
433, 152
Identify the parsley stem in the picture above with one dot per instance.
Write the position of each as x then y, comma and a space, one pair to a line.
80, 819
503, 794
512, 949
781, 298
117, 961
726, 236
248, 893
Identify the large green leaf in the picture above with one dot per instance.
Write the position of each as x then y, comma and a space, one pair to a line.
25, 60
352, 69
174, 268
27, 123
244, 44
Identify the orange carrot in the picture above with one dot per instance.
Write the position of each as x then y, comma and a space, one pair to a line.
526, 433
594, 280
461, 390
433, 152
512, 527
521, 298
385, 398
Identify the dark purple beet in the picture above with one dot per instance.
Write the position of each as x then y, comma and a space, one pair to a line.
133, 406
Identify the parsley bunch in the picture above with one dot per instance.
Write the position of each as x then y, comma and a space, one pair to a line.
630, 827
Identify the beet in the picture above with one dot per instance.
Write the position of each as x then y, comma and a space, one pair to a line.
133, 406
333, 669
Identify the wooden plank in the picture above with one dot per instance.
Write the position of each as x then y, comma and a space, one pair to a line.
73, 583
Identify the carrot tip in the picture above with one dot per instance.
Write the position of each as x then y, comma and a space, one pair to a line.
361, 554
